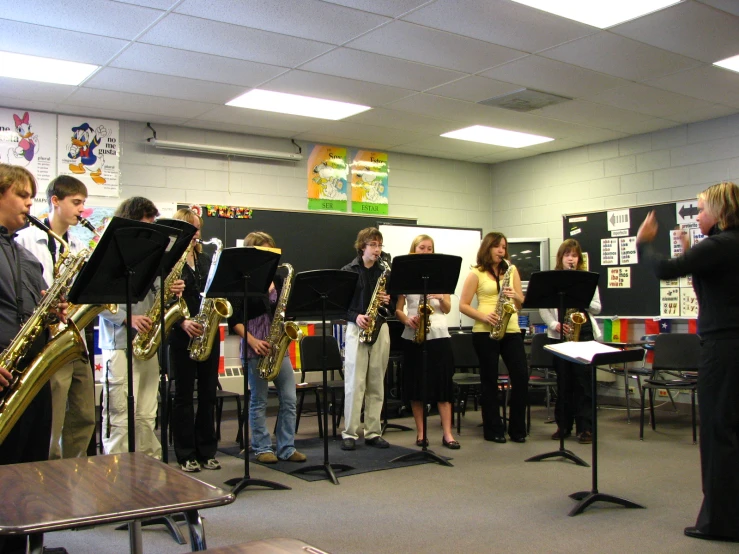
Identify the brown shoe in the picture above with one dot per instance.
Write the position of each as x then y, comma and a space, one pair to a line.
267, 458
586, 437
296, 457
558, 434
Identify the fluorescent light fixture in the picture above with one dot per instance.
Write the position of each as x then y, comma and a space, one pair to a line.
499, 137
225, 150
729, 63
599, 14
295, 104
44, 70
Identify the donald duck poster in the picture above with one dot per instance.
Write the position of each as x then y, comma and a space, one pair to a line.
28, 139
89, 149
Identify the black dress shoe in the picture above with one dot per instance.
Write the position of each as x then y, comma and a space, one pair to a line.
518, 438
347, 444
697, 534
377, 442
452, 444
422, 442
496, 438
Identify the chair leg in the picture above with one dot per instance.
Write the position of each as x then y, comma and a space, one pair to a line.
651, 409
641, 416
674, 406
319, 414
219, 414
240, 418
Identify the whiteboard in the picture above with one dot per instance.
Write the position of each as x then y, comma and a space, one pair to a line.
458, 242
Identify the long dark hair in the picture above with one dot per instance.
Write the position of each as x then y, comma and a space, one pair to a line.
485, 258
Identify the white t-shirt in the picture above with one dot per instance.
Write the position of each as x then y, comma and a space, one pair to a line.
439, 328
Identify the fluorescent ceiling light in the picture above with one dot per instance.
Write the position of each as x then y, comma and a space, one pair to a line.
729, 63
599, 14
295, 104
45, 70
499, 137
225, 150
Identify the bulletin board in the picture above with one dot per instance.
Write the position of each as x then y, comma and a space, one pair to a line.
627, 285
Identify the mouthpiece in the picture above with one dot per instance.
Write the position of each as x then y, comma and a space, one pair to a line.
86, 224
33, 220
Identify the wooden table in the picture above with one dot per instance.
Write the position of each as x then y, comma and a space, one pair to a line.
40, 497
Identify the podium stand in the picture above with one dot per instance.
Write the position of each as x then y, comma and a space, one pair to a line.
586, 498
561, 290
424, 274
328, 293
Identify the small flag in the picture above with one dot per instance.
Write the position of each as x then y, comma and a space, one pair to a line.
616, 330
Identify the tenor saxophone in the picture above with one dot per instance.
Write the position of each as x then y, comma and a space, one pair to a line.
65, 347
212, 312
281, 332
505, 307
376, 312
424, 321
145, 345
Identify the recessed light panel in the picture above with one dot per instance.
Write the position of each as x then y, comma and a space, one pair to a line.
45, 70
599, 13
498, 137
295, 104
729, 63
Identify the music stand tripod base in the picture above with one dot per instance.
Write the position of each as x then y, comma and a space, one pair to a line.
587, 498
423, 455
561, 453
328, 467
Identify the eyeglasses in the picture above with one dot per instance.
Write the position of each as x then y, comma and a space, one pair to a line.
375, 245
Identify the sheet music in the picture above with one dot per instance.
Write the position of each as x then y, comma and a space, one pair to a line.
584, 351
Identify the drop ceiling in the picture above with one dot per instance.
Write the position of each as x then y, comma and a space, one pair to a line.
423, 66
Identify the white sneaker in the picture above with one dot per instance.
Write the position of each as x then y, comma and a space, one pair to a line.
191, 466
212, 464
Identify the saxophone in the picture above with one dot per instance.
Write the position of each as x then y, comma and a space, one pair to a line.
145, 345
212, 311
281, 332
424, 321
505, 307
65, 347
574, 319
376, 311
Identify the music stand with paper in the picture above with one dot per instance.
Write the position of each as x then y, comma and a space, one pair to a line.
424, 274
611, 356
561, 290
246, 272
324, 293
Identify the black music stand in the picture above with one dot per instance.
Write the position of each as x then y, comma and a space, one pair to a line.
561, 290
328, 293
246, 272
424, 274
586, 498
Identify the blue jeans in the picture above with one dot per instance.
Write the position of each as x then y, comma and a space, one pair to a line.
261, 439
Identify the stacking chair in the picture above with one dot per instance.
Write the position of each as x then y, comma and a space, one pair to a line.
675, 366
541, 362
467, 381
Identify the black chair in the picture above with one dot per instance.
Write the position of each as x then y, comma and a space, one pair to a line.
466, 382
541, 362
676, 355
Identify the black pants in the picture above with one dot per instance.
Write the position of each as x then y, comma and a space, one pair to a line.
574, 394
194, 433
718, 397
511, 349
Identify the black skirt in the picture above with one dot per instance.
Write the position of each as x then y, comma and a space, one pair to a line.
440, 371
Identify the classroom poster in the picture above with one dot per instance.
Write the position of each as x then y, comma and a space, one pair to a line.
327, 179
369, 171
688, 303
28, 139
89, 149
619, 277
608, 251
627, 251
669, 302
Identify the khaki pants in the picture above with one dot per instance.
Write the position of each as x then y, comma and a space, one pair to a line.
73, 410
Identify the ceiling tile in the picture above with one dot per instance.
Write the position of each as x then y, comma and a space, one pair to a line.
730, 6
157, 4
390, 8
288, 18
711, 83
139, 82
553, 76
588, 113
474, 89
121, 115
318, 85
431, 153
322, 138
35, 40
259, 118
181, 63
108, 18
646, 126
620, 56
345, 62
644, 99
382, 117
711, 111
137, 103
26, 104
421, 44
684, 28
359, 132
469, 148
31, 90
236, 128
500, 22
177, 31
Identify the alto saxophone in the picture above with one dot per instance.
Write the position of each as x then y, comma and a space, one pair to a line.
505, 307
212, 312
65, 347
376, 312
281, 332
424, 321
574, 319
145, 345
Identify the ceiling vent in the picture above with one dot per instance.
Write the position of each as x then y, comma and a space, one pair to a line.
524, 100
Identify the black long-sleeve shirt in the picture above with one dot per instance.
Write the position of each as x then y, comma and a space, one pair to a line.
366, 283
714, 264
195, 279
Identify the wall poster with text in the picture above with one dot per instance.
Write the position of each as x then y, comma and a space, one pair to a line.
28, 139
89, 149
327, 179
369, 171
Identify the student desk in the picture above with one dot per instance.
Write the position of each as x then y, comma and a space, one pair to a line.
40, 497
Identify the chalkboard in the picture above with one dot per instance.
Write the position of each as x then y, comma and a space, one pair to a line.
642, 298
309, 240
